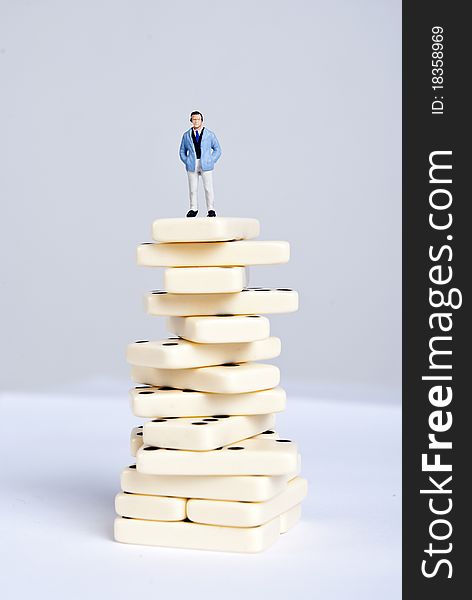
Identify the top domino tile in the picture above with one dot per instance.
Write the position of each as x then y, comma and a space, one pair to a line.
213, 254
207, 229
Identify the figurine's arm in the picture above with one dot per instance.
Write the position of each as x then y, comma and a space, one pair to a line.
183, 150
215, 146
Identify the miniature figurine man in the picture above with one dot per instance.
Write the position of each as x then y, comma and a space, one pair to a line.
199, 151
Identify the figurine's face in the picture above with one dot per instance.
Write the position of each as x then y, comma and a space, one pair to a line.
196, 121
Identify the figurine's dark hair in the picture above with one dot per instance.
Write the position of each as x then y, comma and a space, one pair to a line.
196, 112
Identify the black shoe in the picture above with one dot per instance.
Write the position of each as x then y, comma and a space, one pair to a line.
192, 213
211, 213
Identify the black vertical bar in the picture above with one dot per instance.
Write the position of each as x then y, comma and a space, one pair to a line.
425, 131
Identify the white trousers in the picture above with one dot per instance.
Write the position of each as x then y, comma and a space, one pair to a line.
207, 186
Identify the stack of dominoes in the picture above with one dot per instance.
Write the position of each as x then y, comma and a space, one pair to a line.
211, 472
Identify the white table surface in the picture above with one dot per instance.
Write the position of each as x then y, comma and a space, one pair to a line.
62, 456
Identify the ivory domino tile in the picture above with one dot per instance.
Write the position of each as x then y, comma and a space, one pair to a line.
185, 534
206, 433
248, 457
154, 402
175, 353
247, 302
213, 254
220, 329
245, 488
246, 514
230, 378
156, 508
137, 435
204, 280
213, 229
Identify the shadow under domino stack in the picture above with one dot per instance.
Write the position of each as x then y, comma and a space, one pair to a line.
211, 471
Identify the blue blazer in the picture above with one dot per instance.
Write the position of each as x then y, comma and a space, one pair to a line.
210, 148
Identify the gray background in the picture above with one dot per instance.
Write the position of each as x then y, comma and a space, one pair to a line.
304, 97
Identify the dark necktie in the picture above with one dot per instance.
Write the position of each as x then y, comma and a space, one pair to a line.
196, 136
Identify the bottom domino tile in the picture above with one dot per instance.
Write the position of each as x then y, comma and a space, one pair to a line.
290, 518
184, 534
156, 508
246, 514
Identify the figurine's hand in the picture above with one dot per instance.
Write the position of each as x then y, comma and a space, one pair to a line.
215, 146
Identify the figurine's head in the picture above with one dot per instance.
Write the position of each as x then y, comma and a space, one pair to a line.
196, 118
